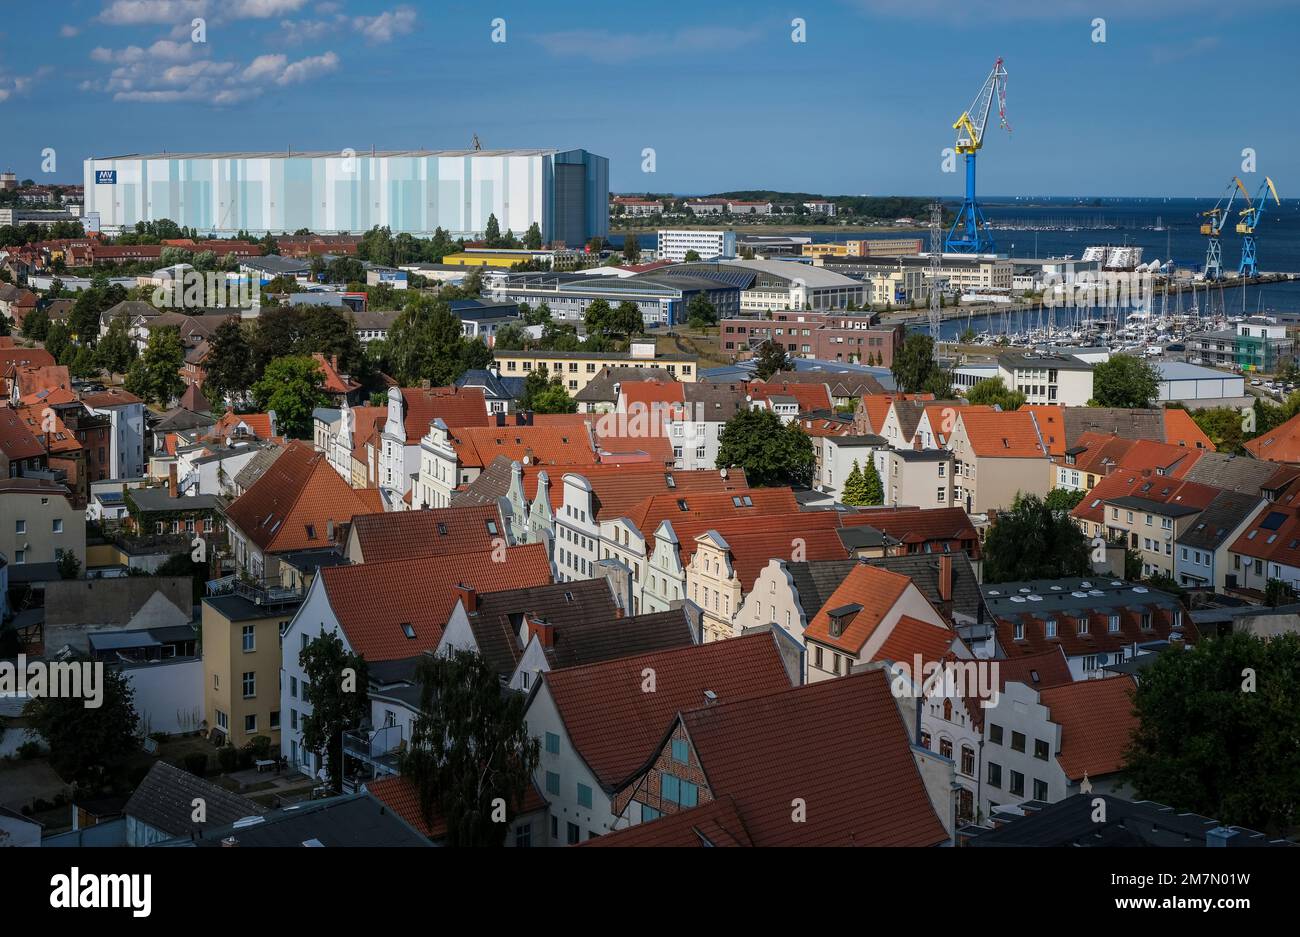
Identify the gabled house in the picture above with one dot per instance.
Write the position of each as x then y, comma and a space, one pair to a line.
1202, 560
598, 725
998, 456
396, 535
782, 759
411, 412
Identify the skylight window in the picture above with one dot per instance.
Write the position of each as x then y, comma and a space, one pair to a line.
408, 629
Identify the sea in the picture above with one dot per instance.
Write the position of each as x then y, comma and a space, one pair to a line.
1165, 228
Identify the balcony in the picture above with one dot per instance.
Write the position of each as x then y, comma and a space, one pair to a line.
371, 753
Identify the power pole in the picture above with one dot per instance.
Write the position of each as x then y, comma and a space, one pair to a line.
936, 247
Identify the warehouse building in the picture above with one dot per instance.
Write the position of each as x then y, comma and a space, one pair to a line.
565, 192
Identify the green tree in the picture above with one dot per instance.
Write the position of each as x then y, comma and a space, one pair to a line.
510, 337
1031, 541
470, 749
597, 317
1224, 427
492, 234
855, 487
914, 368
1217, 725
116, 350
230, 361
58, 342
36, 325
700, 312
875, 488
89, 745
533, 237
83, 363
69, 565
631, 248
292, 387
771, 452
337, 691
156, 374
770, 359
1063, 500
992, 391
1125, 381
1278, 592
691, 257
626, 320
427, 342
541, 315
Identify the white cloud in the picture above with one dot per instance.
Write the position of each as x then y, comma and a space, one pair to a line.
260, 9
264, 66
137, 12
306, 69
164, 50
387, 25
67, 32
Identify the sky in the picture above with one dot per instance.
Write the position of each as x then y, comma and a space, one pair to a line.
822, 96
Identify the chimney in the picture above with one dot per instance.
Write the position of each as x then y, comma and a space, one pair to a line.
229, 841
171, 480
501, 419
544, 630
945, 578
466, 596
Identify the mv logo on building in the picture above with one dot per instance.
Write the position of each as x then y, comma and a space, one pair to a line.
105, 177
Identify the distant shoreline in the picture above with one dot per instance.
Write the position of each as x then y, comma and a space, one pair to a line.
775, 229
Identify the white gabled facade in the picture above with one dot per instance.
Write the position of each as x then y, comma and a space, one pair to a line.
665, 580
314, 616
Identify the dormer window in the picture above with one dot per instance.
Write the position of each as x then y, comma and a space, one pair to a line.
842, 617
1114, 623
408, 629
1049, 627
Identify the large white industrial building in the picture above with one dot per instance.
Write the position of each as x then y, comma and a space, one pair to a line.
566, 192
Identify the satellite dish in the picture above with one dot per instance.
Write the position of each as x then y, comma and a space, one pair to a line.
1103, 659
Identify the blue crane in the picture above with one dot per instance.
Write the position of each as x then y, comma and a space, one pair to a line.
1218, 216
1251, 216
969, 233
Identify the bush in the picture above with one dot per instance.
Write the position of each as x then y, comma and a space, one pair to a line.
227, 758
245, 758
260, 745
196, 763
29, 750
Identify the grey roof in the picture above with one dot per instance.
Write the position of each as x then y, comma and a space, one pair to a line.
815, 581
600, 389
237, 608
1162, 508
1231, 472
1072, 822
179, 418
1131, 424
840, 383
1074, 594
566, 605
716, 403
922, 455
256, 467
862, 536
1219, 519
160, 499
164, 801
1028, 359
375, 320
588, 642
349, 820
491, 484
494, 385
923, 569
275, 264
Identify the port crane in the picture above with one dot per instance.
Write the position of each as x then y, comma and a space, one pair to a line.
1250, 218
969, 233
1218, 217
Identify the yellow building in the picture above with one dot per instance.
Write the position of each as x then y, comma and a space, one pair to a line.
577, 368
503, 259
826, 250
241, 661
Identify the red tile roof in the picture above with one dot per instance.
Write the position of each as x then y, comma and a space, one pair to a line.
335, 383
60, 439
918, 528
372, 601
1051, 423
1050, 668
290, 506
258, 423
1181, 430
814, 535
1273, 533
477, 446
911, 637
840, 747
942, 418
716, 823
615, 726
809, 396
17, 440
1097, 723
645, 395
400, 795
995, 435
1098, 638
877, 590
396, 535
711, 506
455, 406
113, 397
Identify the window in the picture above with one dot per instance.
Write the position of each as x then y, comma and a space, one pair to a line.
584, 796
223, 721
1017, 784
1114, 623
293, 688
552, 743
523, 835
649, 813
1040, 749
995, 774
1040, 789
249, 633
968, 760
1017, 741
680, 753
552, 783
1020, 631
1050, 627
574, 834
58, 525
250, 722
995, 734
275, 719
250, 684
20, 527
945, 748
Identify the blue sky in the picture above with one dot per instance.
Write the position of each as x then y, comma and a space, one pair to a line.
719, 90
